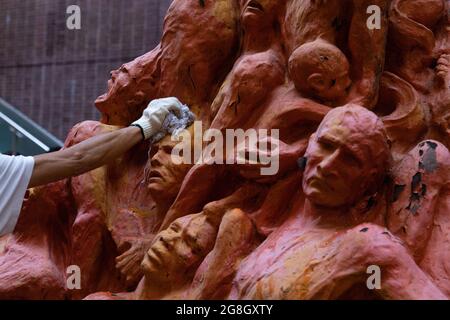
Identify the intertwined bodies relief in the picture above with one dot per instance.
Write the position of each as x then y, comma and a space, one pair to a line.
363, 180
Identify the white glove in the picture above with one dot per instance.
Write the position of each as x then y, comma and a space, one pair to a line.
155, 114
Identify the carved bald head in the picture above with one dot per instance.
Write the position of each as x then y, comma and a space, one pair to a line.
320, 70
347, 157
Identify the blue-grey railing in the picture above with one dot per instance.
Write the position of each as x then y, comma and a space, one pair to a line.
20, 135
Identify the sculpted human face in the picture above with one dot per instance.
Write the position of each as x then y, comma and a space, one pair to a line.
120, 79
333, 87
340, 85
125, 97
336, 166
164, 177
258, 13
184, 244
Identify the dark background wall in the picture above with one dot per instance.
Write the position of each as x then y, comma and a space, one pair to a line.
53, 74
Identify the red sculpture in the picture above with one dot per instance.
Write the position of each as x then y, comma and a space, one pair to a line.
363, 180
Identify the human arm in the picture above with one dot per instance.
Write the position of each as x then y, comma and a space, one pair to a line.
100, 150
83, 157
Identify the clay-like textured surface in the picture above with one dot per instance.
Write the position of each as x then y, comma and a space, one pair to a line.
364, 179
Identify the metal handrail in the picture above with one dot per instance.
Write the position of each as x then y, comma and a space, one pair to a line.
28, 135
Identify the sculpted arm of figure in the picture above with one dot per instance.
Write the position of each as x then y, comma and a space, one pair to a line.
367, 49
276, 157
401, 278
129, 262
345, 263
235, 240
443, 69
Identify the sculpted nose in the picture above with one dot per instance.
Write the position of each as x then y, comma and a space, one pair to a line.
327, 164
155, 162
167, 241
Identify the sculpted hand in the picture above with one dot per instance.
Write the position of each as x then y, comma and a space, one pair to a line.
252, 159
362, 94
129, 263
155, 114
443, 68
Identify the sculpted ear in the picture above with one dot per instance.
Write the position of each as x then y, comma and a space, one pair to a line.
372, 180
317, 82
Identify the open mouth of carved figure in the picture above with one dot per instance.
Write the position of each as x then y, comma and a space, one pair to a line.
154, 257
318, 182
101, 98
154, 174
254, 6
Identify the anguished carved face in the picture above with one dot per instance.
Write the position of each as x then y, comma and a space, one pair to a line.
163, 176
259, 13
347, 157
130, 88
179, 248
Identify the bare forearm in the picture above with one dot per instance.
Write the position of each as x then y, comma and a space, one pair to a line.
104, 148
84, 157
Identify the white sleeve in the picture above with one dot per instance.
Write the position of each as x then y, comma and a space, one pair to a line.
15, 175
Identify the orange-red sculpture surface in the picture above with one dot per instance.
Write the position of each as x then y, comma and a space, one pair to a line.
363, 115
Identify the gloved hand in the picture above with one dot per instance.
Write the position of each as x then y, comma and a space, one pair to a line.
155, 114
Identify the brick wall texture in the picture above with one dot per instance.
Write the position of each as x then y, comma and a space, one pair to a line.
53, 74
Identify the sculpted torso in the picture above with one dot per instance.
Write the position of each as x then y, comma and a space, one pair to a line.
324, 249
